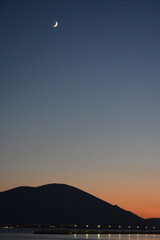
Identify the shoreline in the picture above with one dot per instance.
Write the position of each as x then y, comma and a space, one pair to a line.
95, 231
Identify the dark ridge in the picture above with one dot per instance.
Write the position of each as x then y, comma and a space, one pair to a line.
153, 222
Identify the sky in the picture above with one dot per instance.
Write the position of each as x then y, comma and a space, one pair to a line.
80, 102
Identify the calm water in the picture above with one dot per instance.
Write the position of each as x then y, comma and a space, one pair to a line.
27, 234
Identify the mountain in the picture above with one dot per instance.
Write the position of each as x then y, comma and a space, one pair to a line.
62, 204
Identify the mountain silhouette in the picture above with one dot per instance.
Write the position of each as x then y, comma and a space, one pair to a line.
61, 204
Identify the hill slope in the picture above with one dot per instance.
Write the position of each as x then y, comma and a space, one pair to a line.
59, 203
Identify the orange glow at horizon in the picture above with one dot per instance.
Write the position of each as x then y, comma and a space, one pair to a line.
147, 207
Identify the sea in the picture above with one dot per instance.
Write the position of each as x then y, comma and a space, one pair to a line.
28, 234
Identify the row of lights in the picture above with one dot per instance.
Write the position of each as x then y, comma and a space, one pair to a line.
99, 236
98, 226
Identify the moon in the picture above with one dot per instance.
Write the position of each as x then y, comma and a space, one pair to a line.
55, 24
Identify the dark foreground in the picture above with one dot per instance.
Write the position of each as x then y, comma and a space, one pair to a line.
95, 231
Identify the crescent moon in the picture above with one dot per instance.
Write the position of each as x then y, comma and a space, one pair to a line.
55, 24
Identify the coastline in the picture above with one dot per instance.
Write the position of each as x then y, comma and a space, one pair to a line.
95, 231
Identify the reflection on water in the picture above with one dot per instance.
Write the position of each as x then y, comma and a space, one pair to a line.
28, 234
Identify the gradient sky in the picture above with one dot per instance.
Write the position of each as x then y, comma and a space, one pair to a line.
80, 103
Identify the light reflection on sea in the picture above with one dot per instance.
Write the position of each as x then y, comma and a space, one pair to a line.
28, 234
